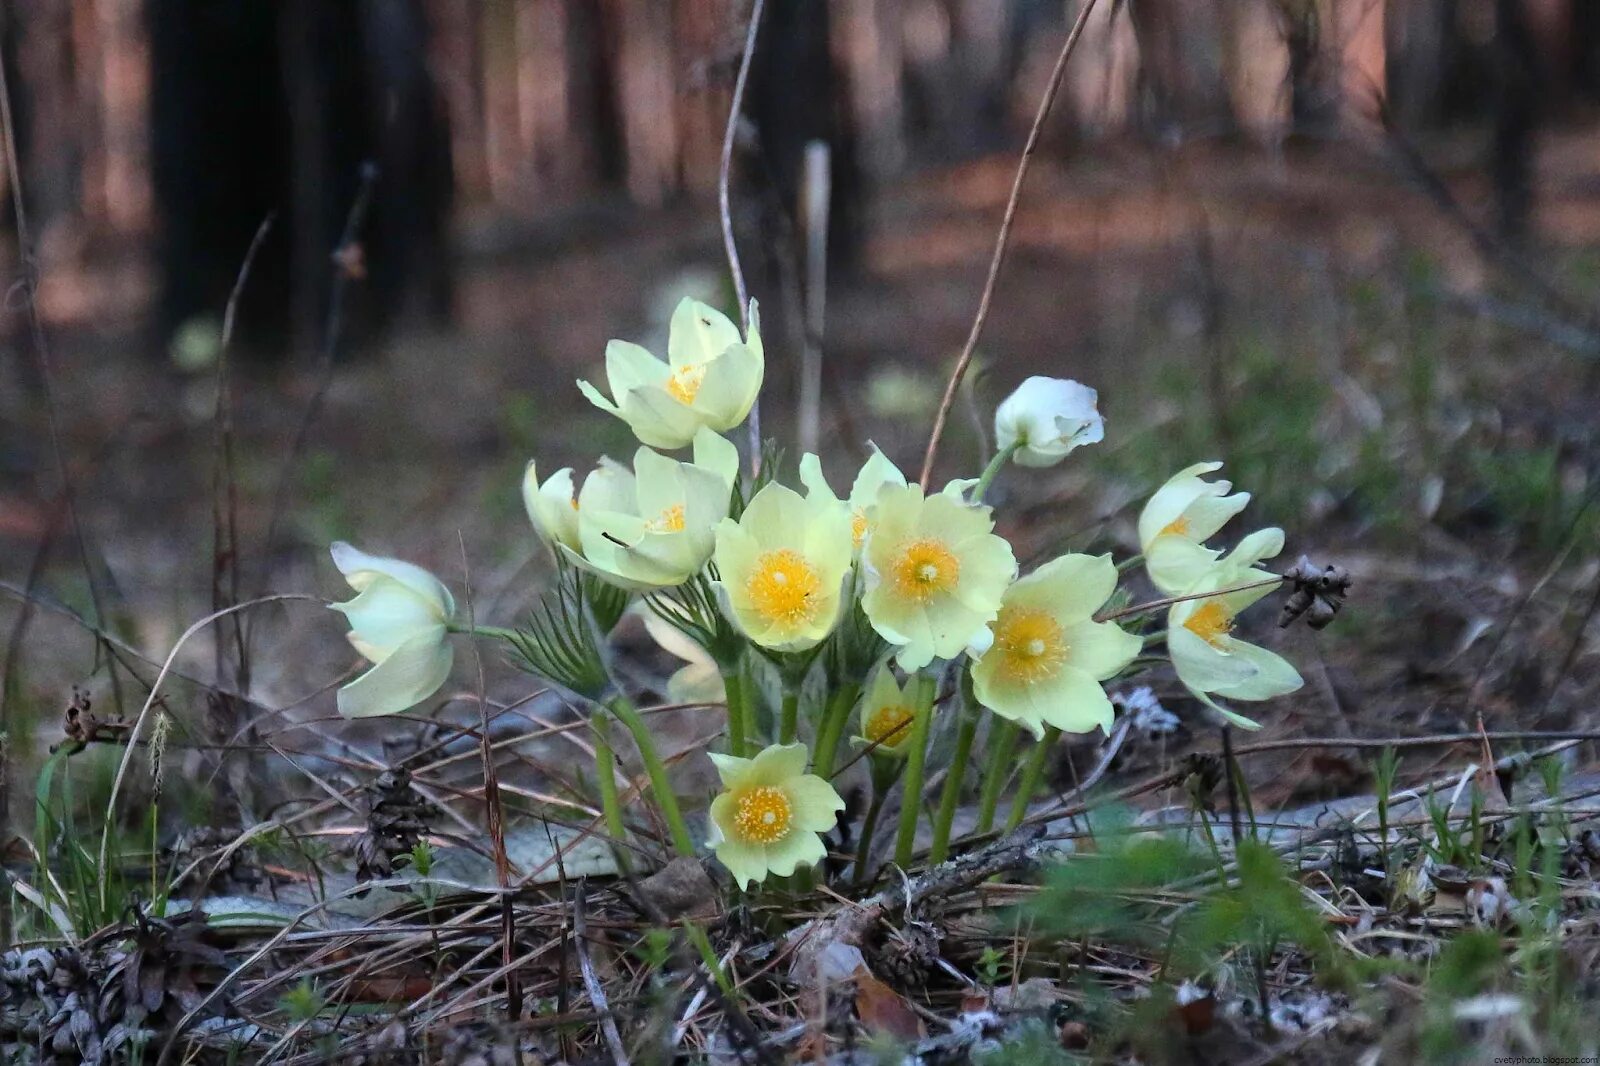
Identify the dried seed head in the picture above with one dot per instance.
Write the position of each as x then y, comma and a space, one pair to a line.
1315, 593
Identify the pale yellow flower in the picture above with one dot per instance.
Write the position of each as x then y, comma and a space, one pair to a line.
552, 506
1210, 661
935, 573
1048, 656
711, 377
771, 815
399, 622
781, 567
1178, 520
887, 714
655, 526
877, 472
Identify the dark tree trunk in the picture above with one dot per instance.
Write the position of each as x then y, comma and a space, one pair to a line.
260, 106
1520, 77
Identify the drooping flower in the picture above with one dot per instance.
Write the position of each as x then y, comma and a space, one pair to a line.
782, 565
698, 680
1177, 521
399, 622
711, 377
886, 714
935, 573
771, 814
875, 473
655, 526
552, 506
1046, 418
1048, 656
1210, 661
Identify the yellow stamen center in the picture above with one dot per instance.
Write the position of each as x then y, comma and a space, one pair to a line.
1210, 622
668, 521
1030, 645
858, 527
924, 569
764, 815
783, 588
1178, 526
574, 502
684, 384
889, 725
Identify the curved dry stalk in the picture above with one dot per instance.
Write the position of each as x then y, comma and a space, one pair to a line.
155, 690
1002, 240
725, 208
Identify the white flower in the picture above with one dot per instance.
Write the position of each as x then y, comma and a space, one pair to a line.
1046, 418
399, 622
552, 506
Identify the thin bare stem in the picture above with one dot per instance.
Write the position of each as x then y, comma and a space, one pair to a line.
1002, 240
150, 701
1168, 601
725, 208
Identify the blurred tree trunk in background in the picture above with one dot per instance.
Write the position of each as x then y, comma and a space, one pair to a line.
1181, 50
259, 106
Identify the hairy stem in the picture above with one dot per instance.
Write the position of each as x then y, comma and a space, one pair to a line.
605, 772
1002, 742
989, 472
916, 756
834, 718
738, 708
950, 799
789, 715
1032, 773
657, 772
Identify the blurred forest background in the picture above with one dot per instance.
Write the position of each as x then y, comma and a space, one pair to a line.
1348, 245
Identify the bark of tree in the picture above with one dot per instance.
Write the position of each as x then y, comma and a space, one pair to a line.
259, 107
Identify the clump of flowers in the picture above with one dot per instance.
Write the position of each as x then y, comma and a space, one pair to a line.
801, 612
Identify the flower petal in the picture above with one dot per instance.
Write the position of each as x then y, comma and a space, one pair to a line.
361, 569
385, 615
777, 764
793, 851
410, 674
1100, 649
816, 803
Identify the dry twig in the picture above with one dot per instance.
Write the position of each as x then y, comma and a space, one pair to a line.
1002, 240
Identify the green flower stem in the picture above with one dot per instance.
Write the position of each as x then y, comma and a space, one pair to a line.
657, 772
885, 771
834, 719
738, 708
789, 715
1002, 742
950, 799
916, 755
1032, 773
992, 469
605, 771
1129, 563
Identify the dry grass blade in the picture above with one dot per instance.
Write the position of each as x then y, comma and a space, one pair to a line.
1002, 241
591, 980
